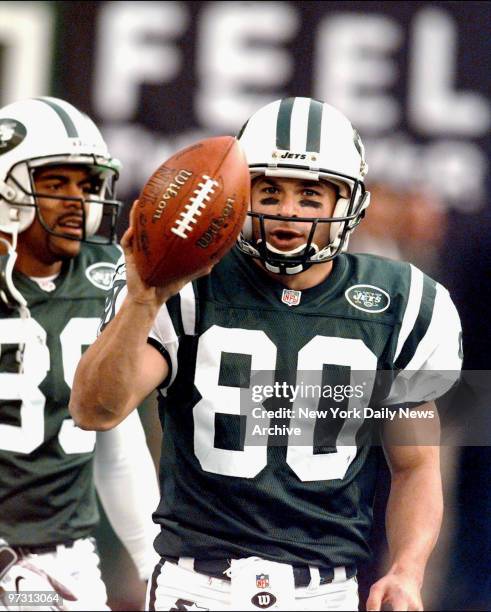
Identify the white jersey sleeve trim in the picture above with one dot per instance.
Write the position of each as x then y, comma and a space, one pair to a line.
436, 363
439, 348
163, 332
412, 308
188, 309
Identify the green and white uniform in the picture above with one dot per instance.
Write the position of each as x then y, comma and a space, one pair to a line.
47, 495
46, 486
287, 503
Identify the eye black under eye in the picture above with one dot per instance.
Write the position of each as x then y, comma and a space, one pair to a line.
312, 203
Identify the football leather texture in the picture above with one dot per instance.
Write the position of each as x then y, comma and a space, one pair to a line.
191, 210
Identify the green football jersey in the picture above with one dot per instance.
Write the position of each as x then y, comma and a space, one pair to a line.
47, 493
238, 333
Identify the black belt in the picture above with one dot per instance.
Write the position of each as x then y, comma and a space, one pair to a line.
40, 549
301, 573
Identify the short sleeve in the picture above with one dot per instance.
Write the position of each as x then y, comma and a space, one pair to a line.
435, 362
162, 336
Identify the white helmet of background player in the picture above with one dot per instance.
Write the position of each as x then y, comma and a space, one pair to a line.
40, 132
310, 140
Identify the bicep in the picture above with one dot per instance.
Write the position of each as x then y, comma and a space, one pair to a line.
154, 369
413, 442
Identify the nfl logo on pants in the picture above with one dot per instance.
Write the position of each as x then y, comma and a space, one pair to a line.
262, 581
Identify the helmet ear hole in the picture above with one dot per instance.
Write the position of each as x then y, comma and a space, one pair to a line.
18, 211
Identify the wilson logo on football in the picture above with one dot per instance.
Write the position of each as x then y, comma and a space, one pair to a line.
172, 191
368, 298
207, 238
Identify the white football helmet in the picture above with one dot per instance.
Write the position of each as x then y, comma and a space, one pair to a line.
46, 131
310, 140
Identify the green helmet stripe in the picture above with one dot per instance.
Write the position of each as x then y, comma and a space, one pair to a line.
314, 126
283, 123
70, 128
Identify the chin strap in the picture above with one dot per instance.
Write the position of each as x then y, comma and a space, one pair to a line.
9, 294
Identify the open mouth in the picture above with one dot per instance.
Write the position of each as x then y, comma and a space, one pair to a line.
70, 225
284, 237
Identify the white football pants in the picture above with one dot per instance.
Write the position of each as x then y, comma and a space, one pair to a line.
76, 568
178, 588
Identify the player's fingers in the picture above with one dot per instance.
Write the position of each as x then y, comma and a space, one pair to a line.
203, 272
398, 603
374, 601
133, 213
198, 274
189, 279
415, 605
127, 240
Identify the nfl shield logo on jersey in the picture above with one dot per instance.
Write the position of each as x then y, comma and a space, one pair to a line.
262, 581
290, 297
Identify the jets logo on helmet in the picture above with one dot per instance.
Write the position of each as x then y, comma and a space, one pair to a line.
305, 139
12, 133
43, 132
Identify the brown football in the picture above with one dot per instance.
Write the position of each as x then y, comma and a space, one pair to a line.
191, 210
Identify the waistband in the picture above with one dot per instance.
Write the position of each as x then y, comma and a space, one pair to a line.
302, 574
41, 549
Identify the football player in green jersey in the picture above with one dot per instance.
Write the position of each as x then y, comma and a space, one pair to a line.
290, 334
56, 190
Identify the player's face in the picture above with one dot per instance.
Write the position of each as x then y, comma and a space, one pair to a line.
64, 217
289, 197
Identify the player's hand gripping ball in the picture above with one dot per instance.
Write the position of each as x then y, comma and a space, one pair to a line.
191, 210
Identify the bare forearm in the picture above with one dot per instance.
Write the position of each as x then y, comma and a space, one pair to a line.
120, 369
105, 389
414, 515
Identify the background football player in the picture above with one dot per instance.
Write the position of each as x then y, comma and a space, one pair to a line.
56, 188
283, 523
